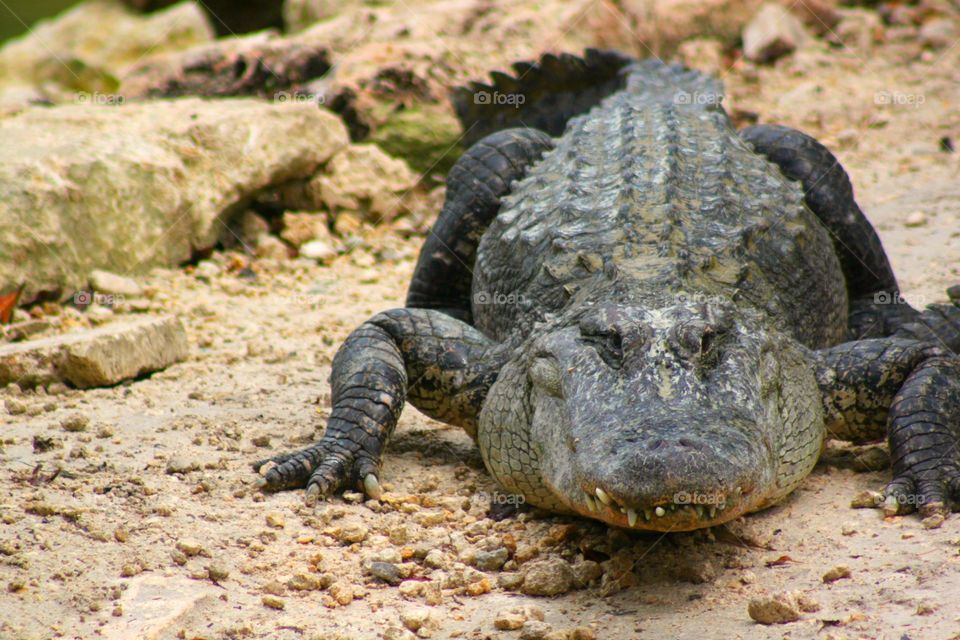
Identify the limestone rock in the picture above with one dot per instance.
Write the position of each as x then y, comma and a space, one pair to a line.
158, 179
96, 357
363, 178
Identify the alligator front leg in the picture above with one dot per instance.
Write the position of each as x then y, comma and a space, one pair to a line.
443, 365
910, 392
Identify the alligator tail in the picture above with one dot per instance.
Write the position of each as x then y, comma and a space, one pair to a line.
546, 94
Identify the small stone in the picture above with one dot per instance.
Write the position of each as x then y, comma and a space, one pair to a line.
274, 588
510, 581
217, 572
583, 633
387, 572
491, 560
111, 283
548, 577
436, 559
260, 441
15, 407
915, 219
806, 603
342, 592
926, 608
273, 602
411, 588
479, 587
866, 500
275, 520
535, 630
416, 618
272, 248
181, 464
933, 521
120, 534
775, 609
304, 582
772, 33
586, 572
131, 569
837, 573
848, 528
179, 557
190, 547
513, 618
397, 633
75, 422
353, 532
318, 250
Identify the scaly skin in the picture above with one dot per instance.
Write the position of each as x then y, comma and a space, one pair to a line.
651, 320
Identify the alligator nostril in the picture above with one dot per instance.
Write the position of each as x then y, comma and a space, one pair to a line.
653, 445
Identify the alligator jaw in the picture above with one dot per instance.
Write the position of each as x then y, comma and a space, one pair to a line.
683, 511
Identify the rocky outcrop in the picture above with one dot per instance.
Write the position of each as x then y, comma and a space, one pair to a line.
130, 187
83, 50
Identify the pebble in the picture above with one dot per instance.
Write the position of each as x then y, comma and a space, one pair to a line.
274, 588
416, 618
397, 633
112, 283
15, 407
933, 521
275, 520
386, 572
774, 609
181, 464
926, 608
131, 569
217, 572
915, 219
273, 602
837, 573
548, 577
304, 582
411, 588
353, 532
190, 547
436, 559
586, 572
939, 33
75, 422
535, 630
866, 500
772, 33
342, 592
510, 581
513, 618
318, 250
491, 560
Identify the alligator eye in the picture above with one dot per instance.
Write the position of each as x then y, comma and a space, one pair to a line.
609, 347
544, 373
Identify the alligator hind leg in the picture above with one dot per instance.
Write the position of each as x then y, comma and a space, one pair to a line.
908, 391
444, 367
876, 308
477, 182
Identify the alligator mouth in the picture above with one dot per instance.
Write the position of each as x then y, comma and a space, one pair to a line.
682, 511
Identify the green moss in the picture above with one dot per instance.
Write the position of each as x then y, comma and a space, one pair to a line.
426, 136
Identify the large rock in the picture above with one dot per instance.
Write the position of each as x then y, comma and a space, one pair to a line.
85, 48
131, 187
96, 357
364, 179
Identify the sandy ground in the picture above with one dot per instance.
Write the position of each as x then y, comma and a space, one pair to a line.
94, 551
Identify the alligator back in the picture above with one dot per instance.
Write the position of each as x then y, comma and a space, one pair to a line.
649, 196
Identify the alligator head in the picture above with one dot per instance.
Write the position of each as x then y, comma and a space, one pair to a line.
669, 419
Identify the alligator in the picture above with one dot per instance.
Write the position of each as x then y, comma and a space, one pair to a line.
644, 316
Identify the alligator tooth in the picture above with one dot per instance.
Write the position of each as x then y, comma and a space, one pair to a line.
591, 502
631, 517
660, 512
647, 515
604, 498
713, 511
738, 490
623, 509
701, 511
